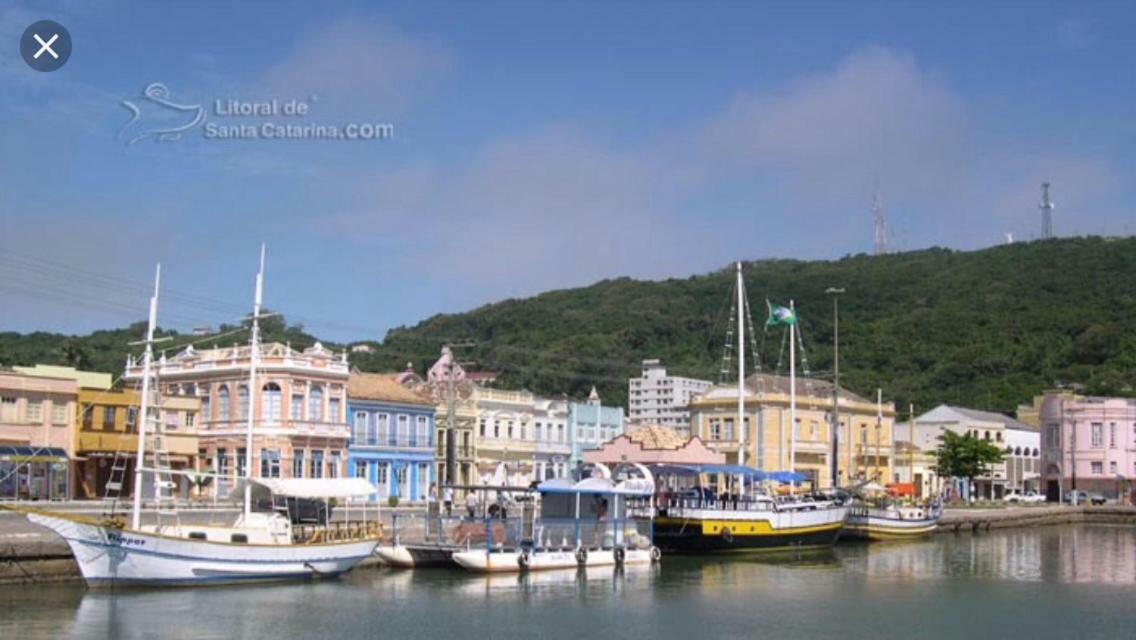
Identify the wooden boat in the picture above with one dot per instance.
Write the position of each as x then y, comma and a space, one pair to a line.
891, 521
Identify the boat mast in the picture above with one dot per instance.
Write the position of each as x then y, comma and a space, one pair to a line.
741, 369
254, 358
879, 426
147, 364
792, 390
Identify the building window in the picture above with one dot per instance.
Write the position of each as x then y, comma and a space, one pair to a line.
381, 475
382, 422
482, 427
1098, 435
400, 475
35, 411
1053, 436
190, 419
317, 464
206, 414
359, 436
315, 404
222, 462
8, 409
403, 429
1098, 468
361, 469
243, 401
241, 453
1112, 435
496, 429
422, 429
58, 413
333, 410
270, 402
224, 410
1112, 468
333, 465
297, 410
109, 415
715, 429
298, 463
560, 433
270, 463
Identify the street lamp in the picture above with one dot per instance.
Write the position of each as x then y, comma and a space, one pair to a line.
835, 293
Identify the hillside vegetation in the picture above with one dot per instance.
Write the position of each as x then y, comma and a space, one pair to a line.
986, 329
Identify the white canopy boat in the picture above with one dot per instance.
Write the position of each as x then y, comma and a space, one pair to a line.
575, 529
258, 546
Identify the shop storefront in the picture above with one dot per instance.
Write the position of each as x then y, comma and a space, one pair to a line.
34, 473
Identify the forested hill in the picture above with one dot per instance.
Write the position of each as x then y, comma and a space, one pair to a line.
986, 329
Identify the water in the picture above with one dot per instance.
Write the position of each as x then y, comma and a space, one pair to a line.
1053, 582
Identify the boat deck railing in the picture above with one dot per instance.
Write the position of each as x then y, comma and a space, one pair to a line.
496, 533
335, 532
677, 505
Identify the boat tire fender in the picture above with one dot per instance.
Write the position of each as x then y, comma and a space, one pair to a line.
524, 559
656, 554
727, 535
620, 555
582, 555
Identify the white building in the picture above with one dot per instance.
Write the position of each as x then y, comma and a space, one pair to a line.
658, 399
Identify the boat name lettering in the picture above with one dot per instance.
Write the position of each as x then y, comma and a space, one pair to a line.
118, 538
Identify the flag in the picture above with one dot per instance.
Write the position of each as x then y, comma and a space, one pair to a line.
780, 316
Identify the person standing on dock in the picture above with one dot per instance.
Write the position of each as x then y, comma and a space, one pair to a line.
471, 505
448, 500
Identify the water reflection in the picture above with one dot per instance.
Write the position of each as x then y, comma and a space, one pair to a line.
924, 583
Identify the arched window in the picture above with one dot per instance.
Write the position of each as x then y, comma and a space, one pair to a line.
223, 404
270, 402
988, 436
1018, 451
243, 401
315, 404
1035, 453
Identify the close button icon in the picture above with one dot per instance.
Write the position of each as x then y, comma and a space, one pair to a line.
45, 45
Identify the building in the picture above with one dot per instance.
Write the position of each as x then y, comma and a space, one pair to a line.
505, 434
590, 424
1087, 443
660, 399
1018, 471
37, 412
865, 429
392, 436
436, 386
299, 407
107, 427
553, 447
654, 445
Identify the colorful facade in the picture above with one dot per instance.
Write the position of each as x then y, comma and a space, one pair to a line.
590, 424
392, 436
1088, 444
36, 447
553, 449
865, 446
299, 409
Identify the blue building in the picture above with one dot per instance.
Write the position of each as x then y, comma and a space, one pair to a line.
590, 424
392, 437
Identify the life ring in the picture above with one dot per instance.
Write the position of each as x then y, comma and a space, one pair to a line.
524, 560
656, 554
582, 555
727, 535
620, 555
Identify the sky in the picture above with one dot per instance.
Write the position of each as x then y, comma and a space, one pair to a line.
536, 146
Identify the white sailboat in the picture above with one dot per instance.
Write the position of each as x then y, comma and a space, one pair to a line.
258, 546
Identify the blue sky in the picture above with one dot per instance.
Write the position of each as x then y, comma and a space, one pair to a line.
539, 146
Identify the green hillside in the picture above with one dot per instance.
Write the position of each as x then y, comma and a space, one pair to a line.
986, 329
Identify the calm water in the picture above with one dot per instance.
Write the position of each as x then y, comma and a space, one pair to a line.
1055, 582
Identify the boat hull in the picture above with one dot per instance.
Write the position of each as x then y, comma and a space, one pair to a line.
482, 561
879, 528
112, 556
712, 532
416, 556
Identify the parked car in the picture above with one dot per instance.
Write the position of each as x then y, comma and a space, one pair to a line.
1084, 497
1028, 497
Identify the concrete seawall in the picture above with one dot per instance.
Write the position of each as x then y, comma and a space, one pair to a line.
977, 520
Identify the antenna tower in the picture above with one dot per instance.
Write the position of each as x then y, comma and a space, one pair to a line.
1046, 207
881, 224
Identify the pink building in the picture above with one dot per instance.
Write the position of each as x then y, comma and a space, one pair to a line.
37, 416
1088, 444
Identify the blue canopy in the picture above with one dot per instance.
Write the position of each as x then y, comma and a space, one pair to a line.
694, 469
786, 477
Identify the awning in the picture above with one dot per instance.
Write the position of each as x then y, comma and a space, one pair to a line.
786, 477
312, 488
693, 469
32, 454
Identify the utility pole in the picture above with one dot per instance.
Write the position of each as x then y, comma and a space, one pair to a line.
835, 293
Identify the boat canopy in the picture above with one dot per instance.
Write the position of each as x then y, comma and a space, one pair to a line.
696, 469
604, 486
312, 488
786, 477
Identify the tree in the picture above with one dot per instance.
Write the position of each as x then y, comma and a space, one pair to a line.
965, 456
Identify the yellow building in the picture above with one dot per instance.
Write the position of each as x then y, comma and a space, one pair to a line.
865, 451
107, 424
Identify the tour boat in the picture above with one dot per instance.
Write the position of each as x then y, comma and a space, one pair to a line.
891, 521
695, 522
258, 546
575, 529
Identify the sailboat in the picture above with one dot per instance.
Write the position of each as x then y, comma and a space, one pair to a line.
694, 522
258, 546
